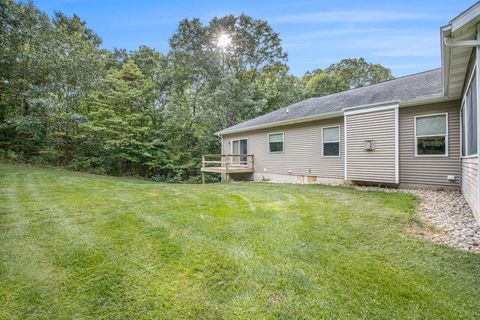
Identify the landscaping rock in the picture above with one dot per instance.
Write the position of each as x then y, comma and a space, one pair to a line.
449, 215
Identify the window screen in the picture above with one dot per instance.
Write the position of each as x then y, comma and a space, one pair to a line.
464, 131
472, 118
469, 119
275, 142
331, 141
431, 135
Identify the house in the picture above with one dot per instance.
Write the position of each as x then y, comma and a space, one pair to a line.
419, 130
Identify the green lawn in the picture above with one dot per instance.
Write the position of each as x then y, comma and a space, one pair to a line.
76, 246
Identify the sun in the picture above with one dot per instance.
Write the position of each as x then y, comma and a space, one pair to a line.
223, 40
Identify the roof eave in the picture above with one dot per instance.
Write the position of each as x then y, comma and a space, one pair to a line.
326, 115
471, 15
446, 54
423, 101
409, 103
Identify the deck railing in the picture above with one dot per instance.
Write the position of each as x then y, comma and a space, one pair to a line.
227, 163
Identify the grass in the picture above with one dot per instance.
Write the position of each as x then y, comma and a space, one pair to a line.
77, 246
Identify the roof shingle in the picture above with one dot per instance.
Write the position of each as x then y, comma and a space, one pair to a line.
413, 87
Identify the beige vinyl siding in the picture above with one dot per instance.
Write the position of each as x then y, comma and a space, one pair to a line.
470, 176
430, 170
377, 165
302, 150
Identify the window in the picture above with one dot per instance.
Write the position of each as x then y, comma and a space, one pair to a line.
275, 142
431, 135
463, 130
469, 119
331, 141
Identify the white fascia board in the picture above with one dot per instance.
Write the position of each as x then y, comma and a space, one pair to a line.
327, 115
466, 17
371, 105
419, 102
446, 53
372, 108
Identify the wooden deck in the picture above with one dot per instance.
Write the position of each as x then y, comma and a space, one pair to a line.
227, 164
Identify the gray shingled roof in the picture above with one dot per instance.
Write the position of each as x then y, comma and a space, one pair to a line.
413, 87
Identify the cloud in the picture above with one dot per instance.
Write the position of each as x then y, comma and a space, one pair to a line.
381, 42
323, 33
422, 66
399, 45
353, 17
313, 38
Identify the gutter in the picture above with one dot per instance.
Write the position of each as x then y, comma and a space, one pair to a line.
322, 116
419, 102
327, 115
372, 105
449, 42
335, 114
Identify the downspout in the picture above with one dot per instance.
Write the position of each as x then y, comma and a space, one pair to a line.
221, 152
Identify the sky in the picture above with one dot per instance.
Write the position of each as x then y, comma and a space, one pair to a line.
401, 35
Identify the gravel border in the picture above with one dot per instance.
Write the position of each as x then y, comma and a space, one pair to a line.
449, 215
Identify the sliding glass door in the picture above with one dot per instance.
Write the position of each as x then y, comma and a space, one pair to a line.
240, 147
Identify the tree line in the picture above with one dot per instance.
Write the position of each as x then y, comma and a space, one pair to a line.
66, 101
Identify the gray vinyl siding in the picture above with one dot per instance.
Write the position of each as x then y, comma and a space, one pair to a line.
377, 165
470, 176
430, 170
302, 150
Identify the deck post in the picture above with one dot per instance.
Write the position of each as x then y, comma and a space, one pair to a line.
227, 174
203, 166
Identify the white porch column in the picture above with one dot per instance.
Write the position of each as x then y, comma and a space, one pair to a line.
477, 51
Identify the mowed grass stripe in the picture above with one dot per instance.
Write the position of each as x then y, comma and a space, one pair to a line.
84, 246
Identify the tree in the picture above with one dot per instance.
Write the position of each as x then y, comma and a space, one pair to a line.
321, 83
77, 65
204, 66
210, 88
47, 68
358, 72
24, 33
117, 138
65, 101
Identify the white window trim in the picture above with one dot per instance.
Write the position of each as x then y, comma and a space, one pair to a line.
268, 142
397, 144
339, 144
431, 135
237, 139
345, 146
464, 120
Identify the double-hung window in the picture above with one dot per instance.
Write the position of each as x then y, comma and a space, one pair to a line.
431, 135
331, 141
276, 142
469, 119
